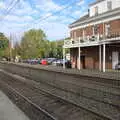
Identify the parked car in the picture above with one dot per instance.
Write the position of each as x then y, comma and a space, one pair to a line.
4, 59
28, 61
33, 61
24, 61
39, 60
44, 62
60, 62
68, 64
51, 60
117, 67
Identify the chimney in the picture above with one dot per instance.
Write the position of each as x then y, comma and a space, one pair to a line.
89, 12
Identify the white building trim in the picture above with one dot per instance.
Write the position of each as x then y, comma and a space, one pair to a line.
104, 57
100, 57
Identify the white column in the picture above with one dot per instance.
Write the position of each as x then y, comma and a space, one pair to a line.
64, 58
79, 56
104, 50
98, 37
100, 60
79, 59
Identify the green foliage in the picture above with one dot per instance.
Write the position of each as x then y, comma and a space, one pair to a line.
34, 44
55, 48
17, 50
4, 42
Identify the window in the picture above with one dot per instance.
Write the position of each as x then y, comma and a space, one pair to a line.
107, 27
95, 29
109, 5
96, 10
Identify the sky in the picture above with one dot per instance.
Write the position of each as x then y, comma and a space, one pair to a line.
52, 16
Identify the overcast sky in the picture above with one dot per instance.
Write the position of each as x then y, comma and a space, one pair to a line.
28, 14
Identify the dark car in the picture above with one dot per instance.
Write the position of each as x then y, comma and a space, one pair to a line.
68, 64
117, 67
51, 60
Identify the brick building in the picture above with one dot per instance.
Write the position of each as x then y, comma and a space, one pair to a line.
95, 37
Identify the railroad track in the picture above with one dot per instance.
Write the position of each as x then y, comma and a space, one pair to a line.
44, 105
101, 99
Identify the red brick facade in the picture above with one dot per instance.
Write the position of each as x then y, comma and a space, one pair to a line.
114, 28
90, 56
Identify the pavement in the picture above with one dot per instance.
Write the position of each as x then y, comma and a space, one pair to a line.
9, 111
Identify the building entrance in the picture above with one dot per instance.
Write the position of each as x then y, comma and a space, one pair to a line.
115, 59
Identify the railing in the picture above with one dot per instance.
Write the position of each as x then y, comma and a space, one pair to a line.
91, 39
113, 35
80, 40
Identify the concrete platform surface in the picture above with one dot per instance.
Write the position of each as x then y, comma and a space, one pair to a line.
9, 111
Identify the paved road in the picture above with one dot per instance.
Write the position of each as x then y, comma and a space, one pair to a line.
8, 111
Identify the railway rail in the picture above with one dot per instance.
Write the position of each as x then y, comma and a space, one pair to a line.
100, 97
39, 105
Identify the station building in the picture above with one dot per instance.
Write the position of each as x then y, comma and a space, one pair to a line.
95, 38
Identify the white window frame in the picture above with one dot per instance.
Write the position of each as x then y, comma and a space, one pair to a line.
109, 5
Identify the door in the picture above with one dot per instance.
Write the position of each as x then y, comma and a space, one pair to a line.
115, 59
83, 61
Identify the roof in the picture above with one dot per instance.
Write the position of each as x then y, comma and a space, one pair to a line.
81, 19
86, 19
97, 1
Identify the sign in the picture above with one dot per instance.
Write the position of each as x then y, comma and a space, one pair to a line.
68, 56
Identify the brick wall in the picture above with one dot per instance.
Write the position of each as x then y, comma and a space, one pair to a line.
114, 27
91, 56
74, 56
91, 60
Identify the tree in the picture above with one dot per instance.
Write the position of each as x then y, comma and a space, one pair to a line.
34, 44
16, 51
4, 44
53, 49
56, 49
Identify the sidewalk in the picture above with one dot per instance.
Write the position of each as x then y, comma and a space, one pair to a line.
8, 111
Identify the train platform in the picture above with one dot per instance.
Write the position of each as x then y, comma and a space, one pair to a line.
109, 74
9, 111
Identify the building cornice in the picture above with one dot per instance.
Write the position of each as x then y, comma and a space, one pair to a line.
96, 2
100, 17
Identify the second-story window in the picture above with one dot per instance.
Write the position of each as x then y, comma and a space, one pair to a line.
96, 10
109, 5
95, 30
107, 30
